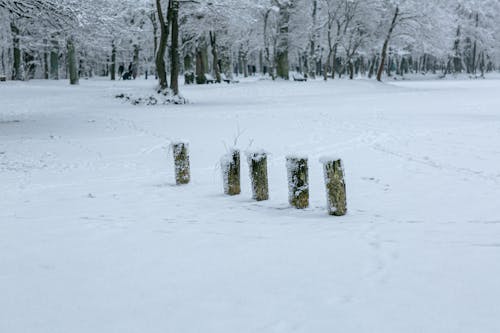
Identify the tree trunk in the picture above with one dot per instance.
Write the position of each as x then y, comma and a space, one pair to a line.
3, 62
282, 65
334, 61
215, 56
474, 49
200, 66
457, 61
160, 55
482, 65
175, 62
351, 70
17, 73
46, 57
154, 23
54, 60
72, 62
373, 65
245, 64
261, 62
113, 62
135, 62
269, 61
314, 56
386, 44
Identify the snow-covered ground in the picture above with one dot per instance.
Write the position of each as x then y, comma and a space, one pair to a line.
95, 236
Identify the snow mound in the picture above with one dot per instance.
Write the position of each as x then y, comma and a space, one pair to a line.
160, 98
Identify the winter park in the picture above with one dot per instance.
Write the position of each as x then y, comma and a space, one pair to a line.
249, 166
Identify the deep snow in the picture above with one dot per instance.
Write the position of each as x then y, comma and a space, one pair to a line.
95, 236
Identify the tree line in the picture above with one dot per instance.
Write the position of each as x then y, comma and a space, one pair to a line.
217, 39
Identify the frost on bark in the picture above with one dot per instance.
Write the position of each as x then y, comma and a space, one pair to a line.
230, 165
257, 162
298, 182
181, 161
335, 187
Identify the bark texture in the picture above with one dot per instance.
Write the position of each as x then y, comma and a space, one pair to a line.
335, 187
181, 161
230, 165
298, 182
257, 162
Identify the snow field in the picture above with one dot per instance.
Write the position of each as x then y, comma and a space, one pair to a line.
95, 236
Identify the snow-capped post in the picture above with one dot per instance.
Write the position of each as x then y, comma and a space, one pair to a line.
230, 165
298, 182
335, 186
181, 161
257, 162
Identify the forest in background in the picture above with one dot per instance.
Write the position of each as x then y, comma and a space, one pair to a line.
218, 39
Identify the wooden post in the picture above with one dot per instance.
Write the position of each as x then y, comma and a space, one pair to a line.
335, 186
181, 161
230, 165
298, 182
257, 162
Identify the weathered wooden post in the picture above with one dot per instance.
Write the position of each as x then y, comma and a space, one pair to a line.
335, 186
230, 165
181, 161
298, 182
257, 162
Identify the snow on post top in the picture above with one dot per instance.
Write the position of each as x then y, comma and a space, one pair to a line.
256, 155
329, 158
228, 157
179, 142
296, 157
